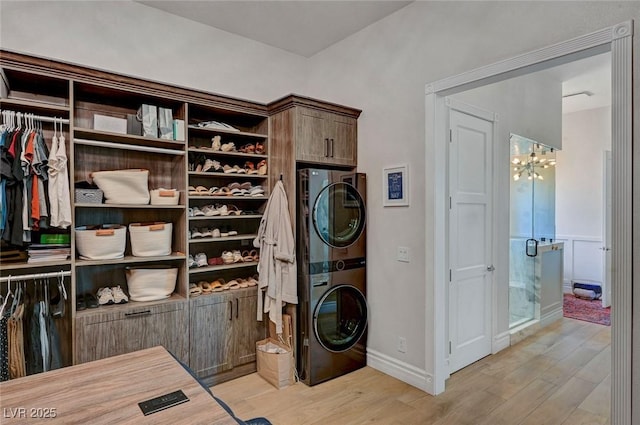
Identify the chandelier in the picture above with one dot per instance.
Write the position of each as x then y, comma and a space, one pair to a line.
527, 166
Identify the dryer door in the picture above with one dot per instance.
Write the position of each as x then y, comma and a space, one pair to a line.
339, 215
340, 318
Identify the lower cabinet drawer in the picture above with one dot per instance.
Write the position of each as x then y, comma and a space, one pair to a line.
104, 334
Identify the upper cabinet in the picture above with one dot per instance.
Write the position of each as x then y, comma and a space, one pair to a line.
318, 132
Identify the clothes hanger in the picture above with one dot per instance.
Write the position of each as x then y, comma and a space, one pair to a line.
6, 298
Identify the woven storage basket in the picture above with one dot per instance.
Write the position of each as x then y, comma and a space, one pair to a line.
165, 197
123, 186
150, 239
104, 242
151, 283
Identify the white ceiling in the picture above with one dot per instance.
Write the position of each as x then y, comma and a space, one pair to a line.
301, 27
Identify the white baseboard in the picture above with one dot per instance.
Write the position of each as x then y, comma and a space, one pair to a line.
405, 372
551, 316
500, 342
567, 287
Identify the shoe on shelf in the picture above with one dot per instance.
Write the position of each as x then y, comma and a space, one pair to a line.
227, 257
191, 263
201, 259
119, 297
215, 233
105, 296
92, 301
194, 290
216, 142
196, 233
81, 303
237, 256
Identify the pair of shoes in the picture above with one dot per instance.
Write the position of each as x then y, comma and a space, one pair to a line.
249, 256
201, 259
194, 290
228, 257
204, 232
113, 295
211, 166
215, 261
86, 301
191, 263
262, 167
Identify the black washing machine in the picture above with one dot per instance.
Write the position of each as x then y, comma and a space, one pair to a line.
331, 248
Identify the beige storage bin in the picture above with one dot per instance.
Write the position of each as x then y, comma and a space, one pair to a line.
151, 283
150, 239
165, 197
123, 186
104, 242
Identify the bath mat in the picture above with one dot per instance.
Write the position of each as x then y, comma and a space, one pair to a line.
589, 311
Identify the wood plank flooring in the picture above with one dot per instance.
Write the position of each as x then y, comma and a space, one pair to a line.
559, 376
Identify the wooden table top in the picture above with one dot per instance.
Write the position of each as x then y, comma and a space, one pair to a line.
108, 391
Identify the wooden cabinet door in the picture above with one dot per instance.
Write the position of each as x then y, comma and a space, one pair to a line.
311, 140
123, 330
342, 132
211, 331
246, 329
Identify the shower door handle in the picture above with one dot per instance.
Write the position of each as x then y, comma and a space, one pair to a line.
531, 247
490, 268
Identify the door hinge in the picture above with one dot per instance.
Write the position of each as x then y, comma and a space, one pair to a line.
450, 135
449, 347
450, 202
449, 275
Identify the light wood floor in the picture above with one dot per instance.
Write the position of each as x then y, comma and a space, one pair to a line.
559, 376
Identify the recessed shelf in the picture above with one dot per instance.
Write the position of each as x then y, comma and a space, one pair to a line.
225, 131
124, 146
131, 206
130, 259
229, 175
44, 264
226, 217
35, 107
222, 267
222, 239
126, 139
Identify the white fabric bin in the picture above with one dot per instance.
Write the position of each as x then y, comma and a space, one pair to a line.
165, 197
104, 242
151, 283
123, 186
150, 239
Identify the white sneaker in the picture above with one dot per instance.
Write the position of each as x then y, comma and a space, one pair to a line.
105, 296
119, 297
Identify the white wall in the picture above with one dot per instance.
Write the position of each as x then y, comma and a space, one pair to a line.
382, 70
579, 192
129, 38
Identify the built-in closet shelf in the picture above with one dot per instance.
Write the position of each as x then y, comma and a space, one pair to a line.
132, 206
222, 267
130, 259
225, 131
34, 107
226, 217
231, 153
126, 139
223, 239
228, 175
135, 307
21, 266
122, 146
229, 198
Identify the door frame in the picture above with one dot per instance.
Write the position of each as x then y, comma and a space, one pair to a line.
606, 230
617, 39
452, 104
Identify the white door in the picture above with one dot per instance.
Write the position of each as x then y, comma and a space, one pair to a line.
470, 239
606, 236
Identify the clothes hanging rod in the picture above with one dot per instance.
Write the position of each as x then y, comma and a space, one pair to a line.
35, 276
39, 117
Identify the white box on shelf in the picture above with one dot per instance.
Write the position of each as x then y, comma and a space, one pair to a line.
111, 124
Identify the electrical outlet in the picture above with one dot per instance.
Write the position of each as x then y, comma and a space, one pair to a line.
403, 254
402, 344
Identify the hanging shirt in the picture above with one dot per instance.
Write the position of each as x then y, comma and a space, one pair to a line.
59, 196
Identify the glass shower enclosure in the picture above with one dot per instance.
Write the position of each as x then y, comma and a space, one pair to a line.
532, 223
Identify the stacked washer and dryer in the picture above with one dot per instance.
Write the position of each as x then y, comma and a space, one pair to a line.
331, 254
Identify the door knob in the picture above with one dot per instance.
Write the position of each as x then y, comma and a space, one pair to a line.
490, 268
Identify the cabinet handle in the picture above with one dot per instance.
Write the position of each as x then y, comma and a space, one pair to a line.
138, 313
326, 148
237, 308
230, 310
331, 148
